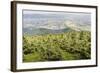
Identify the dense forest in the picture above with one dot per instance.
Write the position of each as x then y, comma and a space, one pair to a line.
72, 45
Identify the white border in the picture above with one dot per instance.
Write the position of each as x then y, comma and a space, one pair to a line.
21, 65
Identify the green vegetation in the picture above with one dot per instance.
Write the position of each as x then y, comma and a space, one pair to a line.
73, 45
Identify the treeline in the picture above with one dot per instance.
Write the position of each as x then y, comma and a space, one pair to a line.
74, 45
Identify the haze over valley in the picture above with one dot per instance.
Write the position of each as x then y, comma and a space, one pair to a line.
44, 22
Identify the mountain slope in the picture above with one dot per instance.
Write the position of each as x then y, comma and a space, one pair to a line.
55, 27
77, 27
40, 31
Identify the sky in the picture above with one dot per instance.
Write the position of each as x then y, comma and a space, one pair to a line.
37, 18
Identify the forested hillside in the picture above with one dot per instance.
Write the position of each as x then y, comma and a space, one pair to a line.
72, 45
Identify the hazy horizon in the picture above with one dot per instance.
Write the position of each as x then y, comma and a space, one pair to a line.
42, 18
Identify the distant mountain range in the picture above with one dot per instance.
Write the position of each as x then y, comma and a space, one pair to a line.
53, 27
40, 31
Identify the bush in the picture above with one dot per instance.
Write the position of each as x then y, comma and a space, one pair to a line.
54, 47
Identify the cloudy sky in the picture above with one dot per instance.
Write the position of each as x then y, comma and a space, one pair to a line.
33, 18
